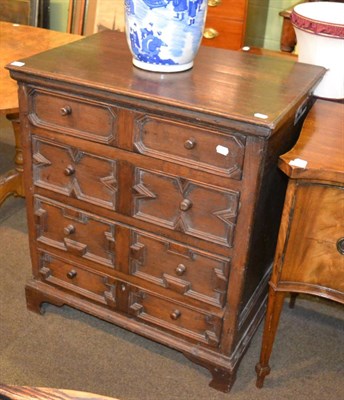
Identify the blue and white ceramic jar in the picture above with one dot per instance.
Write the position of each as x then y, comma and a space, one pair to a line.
165, 35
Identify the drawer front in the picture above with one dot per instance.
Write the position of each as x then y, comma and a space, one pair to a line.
223, 33
225, 24
313, 255
178, 268
227, 9
73, 116
74, 173
179, 204
78, 233
188, 145
73, 277
190, 323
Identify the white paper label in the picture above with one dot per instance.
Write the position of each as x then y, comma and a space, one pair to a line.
17, 63
261, 116
222, 150
298, 162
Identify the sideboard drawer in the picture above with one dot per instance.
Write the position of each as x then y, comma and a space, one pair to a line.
74, 173
81, 234
74, 116
193, 324
176, 267
196, 147
315, 257
73, 277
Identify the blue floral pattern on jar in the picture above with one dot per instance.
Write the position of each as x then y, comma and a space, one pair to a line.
164, 35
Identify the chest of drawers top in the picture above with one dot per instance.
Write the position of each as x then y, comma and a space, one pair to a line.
223, 85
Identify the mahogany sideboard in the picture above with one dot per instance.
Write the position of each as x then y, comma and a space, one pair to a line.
310, 250
154, 200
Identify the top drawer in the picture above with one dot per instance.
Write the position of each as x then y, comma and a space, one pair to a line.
185, 144
72, 115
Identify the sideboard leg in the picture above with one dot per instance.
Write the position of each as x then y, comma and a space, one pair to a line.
274, 308
292, 299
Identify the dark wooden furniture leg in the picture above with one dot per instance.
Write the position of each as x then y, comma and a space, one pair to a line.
288, 36
292, 299
11, 183
274, 308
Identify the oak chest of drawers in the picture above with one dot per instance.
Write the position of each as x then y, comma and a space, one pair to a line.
154, 200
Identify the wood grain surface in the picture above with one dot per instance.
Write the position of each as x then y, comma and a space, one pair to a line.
20, 41
39, 393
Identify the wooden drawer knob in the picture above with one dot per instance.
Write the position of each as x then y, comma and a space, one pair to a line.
180, 270
72, 274
210, 33
340, 245
66, 110
175, 314
190, 143
214, 3
69, 229
185, 205
70, 170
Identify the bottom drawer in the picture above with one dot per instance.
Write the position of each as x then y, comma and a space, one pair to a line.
193, 324
74, 277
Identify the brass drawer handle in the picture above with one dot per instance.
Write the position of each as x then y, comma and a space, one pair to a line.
340, 245
185, 205
69, 229
72, 274
180, 270
214, 3
70, 170
190, 143
175, 314
210, 33
66, 110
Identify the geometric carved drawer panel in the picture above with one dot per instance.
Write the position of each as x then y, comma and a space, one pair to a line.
73, 277
168, 315
73, 172
79, 233
178, 268
179, 204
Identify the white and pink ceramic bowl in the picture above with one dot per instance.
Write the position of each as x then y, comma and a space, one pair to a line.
319, 28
